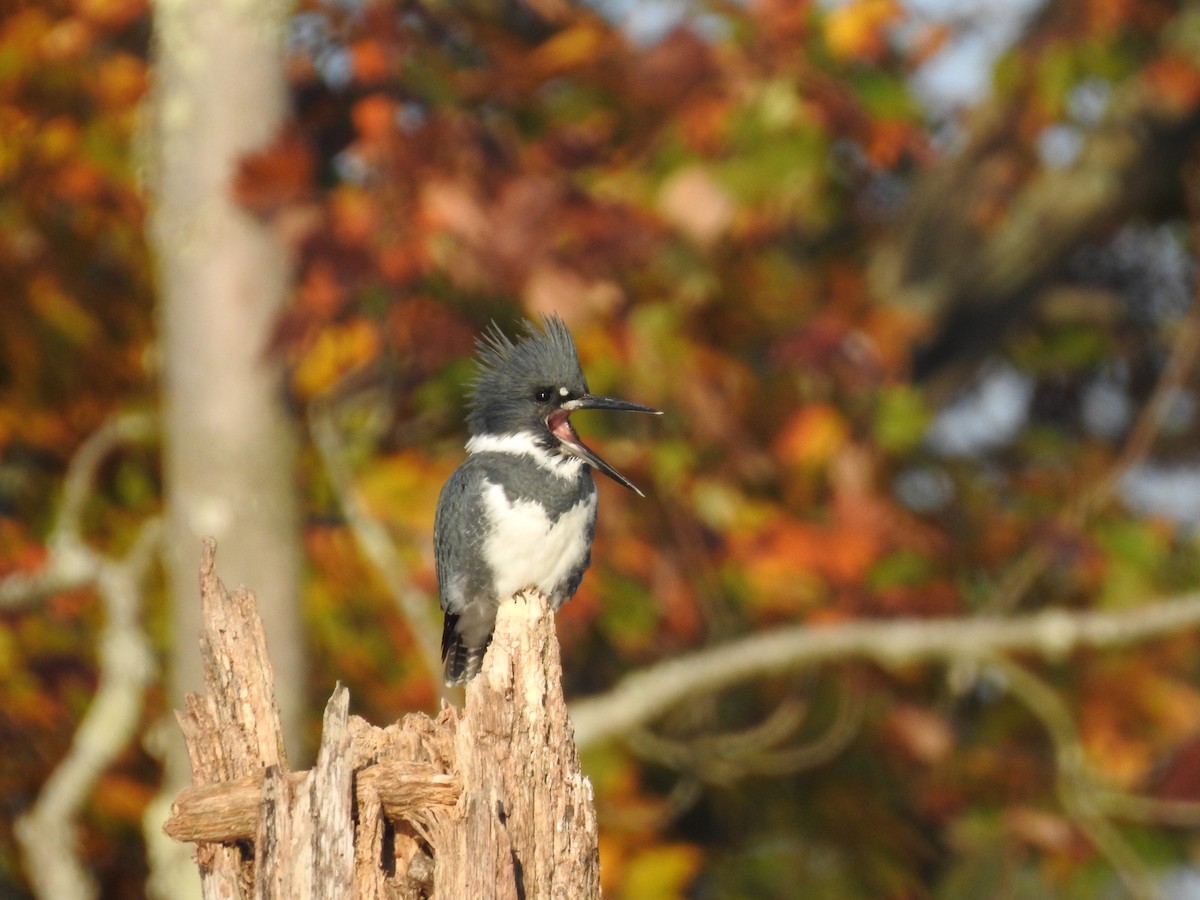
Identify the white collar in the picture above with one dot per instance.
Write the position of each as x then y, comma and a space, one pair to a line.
525, 443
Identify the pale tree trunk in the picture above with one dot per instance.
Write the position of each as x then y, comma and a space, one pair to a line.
229, 451
481, 804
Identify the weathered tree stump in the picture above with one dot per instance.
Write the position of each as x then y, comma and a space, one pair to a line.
484, 803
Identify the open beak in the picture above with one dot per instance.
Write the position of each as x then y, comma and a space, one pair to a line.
559, 423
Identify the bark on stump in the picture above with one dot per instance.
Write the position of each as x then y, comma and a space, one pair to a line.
484, 803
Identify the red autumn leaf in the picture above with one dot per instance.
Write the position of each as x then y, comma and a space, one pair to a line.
279, 175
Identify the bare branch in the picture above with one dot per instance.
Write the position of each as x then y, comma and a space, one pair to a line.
124, 428
126, 661
645, 695
70, 563
46, 830
762, 749
62, 571
1077, 783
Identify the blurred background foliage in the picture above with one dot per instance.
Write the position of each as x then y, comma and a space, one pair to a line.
905, 276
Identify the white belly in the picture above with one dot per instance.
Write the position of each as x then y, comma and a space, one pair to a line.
525, 549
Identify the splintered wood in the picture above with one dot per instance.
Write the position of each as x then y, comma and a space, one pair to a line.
486, 803
529, 818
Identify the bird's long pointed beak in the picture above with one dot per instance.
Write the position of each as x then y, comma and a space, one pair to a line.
587, 401
560, 427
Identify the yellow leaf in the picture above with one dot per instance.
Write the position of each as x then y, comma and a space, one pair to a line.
856, 30
337, 351
403, 488
575, 46
662, 872
63, 312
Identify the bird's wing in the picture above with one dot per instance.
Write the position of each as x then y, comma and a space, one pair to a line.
458, 538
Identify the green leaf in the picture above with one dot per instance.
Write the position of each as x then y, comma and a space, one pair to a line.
901, 418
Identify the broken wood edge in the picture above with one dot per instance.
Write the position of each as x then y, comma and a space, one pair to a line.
486, 801
228, 811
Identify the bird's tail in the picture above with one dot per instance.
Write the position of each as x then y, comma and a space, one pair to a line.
462, 660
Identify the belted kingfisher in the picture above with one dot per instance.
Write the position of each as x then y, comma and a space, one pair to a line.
520, 511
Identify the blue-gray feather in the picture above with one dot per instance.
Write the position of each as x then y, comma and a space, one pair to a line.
508, 372
521, 509
466, 581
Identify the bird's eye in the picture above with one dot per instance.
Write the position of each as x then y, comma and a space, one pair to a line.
542, 395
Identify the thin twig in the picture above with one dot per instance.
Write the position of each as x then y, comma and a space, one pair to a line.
1077, 783
374, 541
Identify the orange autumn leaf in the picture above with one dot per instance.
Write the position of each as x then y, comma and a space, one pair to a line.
370, 61
890, 331
121, 798
788, 564
321, 294
374, 117
18, 553
67, 41
1108, 17
1176, 82
812, 436
850, 552
110, 13
354, 215
400, 260
779, 586
79, 181
828, 616
679, 610
1126, 716
120, 80
613, 850
39, 427
705, 124
889, 142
